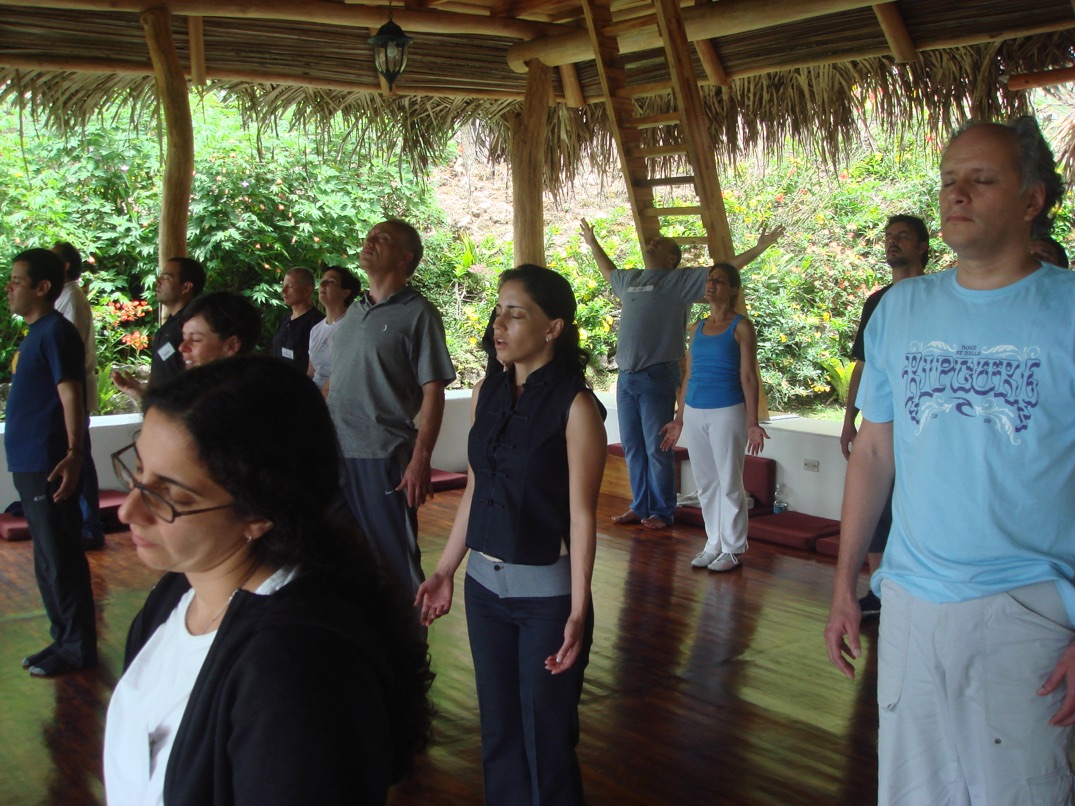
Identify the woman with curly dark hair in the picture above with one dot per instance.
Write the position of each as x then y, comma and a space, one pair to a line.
271, 663
536, 453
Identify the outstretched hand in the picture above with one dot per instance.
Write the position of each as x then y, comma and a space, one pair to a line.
587, 231
756, 436
769, 237
844, 619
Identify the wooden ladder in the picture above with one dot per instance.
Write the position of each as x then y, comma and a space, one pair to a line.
693, 141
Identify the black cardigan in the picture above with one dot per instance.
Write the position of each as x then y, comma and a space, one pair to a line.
292, 704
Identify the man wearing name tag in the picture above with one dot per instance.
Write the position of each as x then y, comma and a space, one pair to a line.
180, 281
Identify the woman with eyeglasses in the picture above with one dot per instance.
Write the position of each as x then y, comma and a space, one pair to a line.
271, 663
219, 325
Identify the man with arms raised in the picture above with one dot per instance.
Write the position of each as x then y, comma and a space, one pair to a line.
180, 281
653, 323
44, 438
966, 402
390, 365
906, 251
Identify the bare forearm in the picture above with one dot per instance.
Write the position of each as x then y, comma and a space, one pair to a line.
74, 414
851, 410
430, 417
870, 473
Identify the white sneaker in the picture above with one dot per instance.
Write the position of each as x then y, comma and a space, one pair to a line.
725, 562
704, 558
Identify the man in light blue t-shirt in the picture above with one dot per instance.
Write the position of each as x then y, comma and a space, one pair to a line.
653, 322
966, 402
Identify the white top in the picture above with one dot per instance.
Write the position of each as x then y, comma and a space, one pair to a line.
74, 306
150, 699
321, 350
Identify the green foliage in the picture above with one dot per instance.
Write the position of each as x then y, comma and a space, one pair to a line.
262, 202
839, 374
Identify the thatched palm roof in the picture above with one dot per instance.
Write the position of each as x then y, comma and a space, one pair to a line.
802, 68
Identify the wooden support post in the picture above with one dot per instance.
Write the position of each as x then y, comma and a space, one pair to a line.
711, 63
528, 132
569, 78
196, 37
179, 157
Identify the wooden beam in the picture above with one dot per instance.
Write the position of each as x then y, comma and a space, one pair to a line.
695, 127
195, 35
895, 31
1042, 78
328, 13
33, 65
707, 21
569, 80
714, 70
528, 132
179, 155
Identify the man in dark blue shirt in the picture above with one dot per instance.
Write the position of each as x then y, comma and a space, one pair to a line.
44, 437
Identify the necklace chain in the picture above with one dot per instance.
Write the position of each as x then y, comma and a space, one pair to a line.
222, 610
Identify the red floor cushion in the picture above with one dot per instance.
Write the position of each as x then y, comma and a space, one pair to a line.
441, 480
828, 545
13, 527
759, 478
795, 529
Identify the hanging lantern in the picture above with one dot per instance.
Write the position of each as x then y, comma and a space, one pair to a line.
390, 50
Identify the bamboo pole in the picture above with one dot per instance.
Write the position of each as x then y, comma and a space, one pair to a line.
895, 31
196, 36
179, 159
1042, 78
528, 133
328, 13
569, 79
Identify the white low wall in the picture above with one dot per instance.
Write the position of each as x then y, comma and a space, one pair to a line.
793, 441
108, 434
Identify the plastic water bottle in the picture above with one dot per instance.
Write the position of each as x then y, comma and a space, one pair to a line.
779, 504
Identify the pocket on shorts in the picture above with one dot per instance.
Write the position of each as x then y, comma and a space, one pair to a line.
893, 637
1020, 650
1049, 790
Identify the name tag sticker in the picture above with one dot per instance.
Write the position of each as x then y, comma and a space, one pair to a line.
165, 351
286, 353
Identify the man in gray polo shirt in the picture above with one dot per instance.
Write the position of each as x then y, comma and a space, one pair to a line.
655, 305
390, 365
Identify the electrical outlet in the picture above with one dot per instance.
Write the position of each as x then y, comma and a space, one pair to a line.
812, 465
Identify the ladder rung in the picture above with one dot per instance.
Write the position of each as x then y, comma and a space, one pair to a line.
632, 24
692, 239
650, 88
662, 151
651, 121
665, 181
668, 212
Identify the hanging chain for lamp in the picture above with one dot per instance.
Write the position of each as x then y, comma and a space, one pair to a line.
390, 49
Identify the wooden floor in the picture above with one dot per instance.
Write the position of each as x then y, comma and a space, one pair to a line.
702, 688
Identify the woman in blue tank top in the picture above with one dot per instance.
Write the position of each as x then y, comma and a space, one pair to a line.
717, 416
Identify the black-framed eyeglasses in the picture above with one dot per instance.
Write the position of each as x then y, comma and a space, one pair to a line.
158, 506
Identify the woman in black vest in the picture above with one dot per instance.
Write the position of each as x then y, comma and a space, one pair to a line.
536, 454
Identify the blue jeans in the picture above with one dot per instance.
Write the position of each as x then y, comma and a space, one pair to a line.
646, 402
529, 717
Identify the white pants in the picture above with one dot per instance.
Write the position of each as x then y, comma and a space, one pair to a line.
960, 720
716, 440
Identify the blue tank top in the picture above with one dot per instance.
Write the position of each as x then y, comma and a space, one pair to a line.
714, 381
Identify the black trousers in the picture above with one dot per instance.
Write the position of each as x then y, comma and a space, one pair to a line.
63, 575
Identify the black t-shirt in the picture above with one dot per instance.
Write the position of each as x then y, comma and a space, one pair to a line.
167, 361
858, 349
292, 339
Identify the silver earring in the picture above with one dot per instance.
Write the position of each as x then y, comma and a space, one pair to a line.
249, 538
548, 339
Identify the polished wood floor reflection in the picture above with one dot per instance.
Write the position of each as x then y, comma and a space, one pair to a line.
702, 688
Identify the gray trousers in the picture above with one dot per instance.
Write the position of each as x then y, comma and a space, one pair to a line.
391, 527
